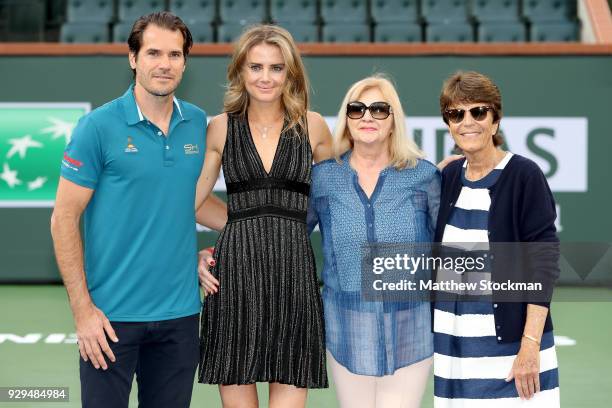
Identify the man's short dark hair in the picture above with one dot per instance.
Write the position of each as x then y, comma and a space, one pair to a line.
162, 19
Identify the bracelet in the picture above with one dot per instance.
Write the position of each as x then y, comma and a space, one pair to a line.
531, 338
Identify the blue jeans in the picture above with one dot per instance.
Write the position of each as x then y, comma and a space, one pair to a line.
163, 355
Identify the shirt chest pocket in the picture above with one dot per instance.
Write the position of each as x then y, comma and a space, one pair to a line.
402, 217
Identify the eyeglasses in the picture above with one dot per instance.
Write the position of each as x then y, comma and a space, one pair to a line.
378, 110
479, 113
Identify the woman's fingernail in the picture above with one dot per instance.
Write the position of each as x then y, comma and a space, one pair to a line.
212, 262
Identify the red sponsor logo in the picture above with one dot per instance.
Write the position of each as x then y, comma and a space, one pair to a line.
72, 161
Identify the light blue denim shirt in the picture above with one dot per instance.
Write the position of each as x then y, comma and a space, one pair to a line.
371, 338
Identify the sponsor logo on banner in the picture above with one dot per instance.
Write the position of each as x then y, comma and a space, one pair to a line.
33, 137
557, 145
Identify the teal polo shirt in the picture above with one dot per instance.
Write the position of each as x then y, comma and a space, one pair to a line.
139, 226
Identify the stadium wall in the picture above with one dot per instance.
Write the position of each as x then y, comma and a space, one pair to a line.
556, 111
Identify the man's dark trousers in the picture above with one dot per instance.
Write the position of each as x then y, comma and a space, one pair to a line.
163, 355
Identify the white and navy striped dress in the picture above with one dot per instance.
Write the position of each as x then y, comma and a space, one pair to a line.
470, 366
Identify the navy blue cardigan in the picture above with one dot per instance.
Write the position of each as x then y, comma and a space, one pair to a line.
522, 210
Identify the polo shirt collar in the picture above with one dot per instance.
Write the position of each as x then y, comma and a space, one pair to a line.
133, 113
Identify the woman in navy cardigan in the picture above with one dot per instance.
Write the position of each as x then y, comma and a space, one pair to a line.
492, 352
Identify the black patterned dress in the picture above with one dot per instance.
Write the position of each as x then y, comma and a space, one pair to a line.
266, 322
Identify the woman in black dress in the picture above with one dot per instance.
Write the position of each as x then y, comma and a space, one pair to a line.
262, 320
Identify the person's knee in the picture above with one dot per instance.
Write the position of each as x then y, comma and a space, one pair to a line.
239, 396
240, 404
282, 395
236, 401
287, 402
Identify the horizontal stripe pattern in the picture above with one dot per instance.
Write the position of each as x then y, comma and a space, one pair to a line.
473, 199
482, 346
266, 211
470, 365
460, 308
267, 183
470, 219
489, 179
495, 367
490, 392
468, 325
469, 236
543, 399
471, 278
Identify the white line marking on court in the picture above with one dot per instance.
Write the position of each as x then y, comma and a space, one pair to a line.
564, 341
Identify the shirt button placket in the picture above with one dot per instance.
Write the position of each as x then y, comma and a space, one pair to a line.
370, 218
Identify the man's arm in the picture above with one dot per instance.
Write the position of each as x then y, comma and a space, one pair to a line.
90, 322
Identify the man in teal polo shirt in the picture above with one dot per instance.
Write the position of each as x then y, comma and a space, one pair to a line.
132, 167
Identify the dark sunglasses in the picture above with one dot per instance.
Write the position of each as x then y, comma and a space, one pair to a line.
479, 113
378, 110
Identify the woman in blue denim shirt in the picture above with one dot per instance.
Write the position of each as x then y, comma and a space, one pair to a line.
376, 190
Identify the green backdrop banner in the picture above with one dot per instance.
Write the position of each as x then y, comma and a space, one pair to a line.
556, 112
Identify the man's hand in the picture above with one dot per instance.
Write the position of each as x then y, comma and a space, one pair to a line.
92, 326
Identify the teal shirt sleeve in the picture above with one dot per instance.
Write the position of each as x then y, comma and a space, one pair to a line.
83, 159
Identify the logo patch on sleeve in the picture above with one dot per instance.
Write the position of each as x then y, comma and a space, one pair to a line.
71, 163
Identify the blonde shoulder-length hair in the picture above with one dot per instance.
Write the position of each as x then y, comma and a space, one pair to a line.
295, 93
403, 151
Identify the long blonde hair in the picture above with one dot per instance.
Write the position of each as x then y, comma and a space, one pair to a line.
403, 151
295, 93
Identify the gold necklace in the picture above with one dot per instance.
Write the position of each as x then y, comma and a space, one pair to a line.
264, 129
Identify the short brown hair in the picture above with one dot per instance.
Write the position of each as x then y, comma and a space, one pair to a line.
162, 19
472, 87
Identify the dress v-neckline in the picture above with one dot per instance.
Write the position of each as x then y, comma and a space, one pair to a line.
259, 159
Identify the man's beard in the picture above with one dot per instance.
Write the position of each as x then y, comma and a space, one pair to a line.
161, 94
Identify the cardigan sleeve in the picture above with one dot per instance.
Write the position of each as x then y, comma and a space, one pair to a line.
537, 225
433, 201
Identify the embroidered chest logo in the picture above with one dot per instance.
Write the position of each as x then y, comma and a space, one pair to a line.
191, 149
131, 148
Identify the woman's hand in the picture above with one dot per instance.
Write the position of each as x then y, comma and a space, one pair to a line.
207, 280
447, 160
526, 369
